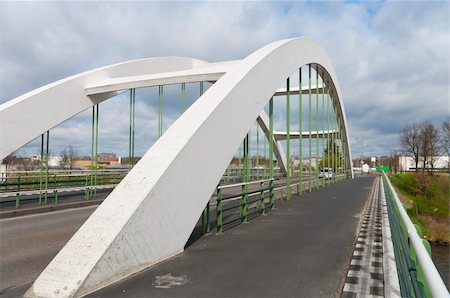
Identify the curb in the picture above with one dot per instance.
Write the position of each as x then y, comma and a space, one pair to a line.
44, 209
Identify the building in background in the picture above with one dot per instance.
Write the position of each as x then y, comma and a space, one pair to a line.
407, 163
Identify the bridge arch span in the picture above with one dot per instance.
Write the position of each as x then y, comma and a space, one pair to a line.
150, 215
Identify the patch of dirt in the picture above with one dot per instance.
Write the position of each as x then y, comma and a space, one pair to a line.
437, 228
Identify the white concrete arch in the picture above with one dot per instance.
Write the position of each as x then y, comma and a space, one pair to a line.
151, 213
63, 99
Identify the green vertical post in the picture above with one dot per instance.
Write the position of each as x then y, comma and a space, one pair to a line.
323, 126
244, 200
208, 219
328, 132
240, 162
335, 142
130, 130
271, 198
92, 154
17, 200
317, 126
219, 215
96, 150
340, 146
310, 124
257, 151
18, 193
160, 110
133, 131
86, 191
333, 139
288, 140
55, 192
46, 167
41, 162
132, 125
338, 166
183, 97
265, 157
262, 205
300, 130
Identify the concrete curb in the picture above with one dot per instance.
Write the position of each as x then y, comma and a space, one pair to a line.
44, 209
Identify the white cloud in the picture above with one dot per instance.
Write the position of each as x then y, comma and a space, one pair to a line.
391, 58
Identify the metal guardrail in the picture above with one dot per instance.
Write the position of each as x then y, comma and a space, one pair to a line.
264, 199
417, 273
18, 184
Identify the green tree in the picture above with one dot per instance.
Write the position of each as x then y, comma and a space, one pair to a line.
332, 156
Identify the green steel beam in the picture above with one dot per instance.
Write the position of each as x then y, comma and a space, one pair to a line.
160, 110
288, 141
317, 126
92, 153
271, 196
332, 134
46, 166
310, 124
328, 130
129, 131
132, 132
96, 150
244, 200
300, 129
41, 169
257, 151
183, 97
323, 127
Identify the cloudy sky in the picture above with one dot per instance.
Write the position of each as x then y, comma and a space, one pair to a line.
391, 58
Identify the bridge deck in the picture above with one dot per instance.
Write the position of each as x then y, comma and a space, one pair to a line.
302, 248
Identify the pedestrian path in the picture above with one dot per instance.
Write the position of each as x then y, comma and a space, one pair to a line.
365, 275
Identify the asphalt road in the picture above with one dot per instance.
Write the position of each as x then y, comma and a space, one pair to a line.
302, 248
29, 243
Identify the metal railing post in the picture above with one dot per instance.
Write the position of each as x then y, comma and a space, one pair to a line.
262, 205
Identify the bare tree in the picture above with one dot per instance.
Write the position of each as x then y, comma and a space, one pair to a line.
445, 139
68, 157
10, 161
430, 145
410, 142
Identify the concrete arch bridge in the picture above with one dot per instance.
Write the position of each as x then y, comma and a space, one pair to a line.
151, 213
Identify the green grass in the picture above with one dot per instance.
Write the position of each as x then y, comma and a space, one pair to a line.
431, 196
432, 200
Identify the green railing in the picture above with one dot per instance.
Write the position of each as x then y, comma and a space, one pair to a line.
48, 186
417, 274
